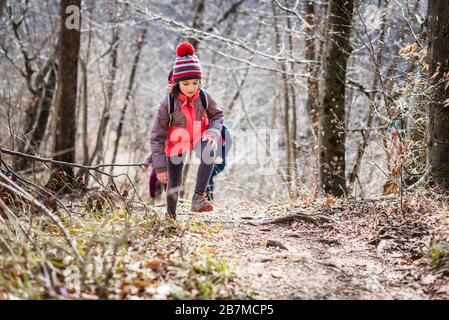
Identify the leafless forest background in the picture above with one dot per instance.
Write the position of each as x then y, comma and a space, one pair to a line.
355, 90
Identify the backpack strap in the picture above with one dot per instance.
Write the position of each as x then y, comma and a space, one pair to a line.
204, 101
171, 107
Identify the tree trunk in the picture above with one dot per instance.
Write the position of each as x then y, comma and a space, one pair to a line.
315, 29
140, 45
44, 111
85, 103
36, 116
64, 146
286, 94
30, 119
438, 56
2, 7
294, 130
312, 68
332, 133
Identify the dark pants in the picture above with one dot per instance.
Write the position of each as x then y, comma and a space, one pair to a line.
175, 166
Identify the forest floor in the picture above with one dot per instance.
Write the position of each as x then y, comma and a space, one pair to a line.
352, 250
323, 248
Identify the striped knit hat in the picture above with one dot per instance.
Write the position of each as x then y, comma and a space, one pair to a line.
186, 64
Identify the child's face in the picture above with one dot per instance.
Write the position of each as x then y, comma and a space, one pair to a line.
189, 87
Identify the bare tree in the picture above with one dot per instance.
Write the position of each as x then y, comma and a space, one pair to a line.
64, 140
438, 57
39, 76
332, 131
294, 130
310, 45
286, 100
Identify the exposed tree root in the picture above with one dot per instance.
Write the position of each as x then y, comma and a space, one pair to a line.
315, 219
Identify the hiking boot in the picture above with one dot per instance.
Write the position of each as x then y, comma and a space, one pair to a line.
200, 203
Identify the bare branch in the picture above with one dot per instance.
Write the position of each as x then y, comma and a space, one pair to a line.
75, 165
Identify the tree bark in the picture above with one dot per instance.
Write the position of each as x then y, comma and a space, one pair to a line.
44, 113
294, 130
64, 148
2, 7
85, 90
438, 59
332, 133
312, 69
315, 29
286, 94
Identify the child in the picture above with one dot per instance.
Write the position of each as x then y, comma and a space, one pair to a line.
224, 146
188, 125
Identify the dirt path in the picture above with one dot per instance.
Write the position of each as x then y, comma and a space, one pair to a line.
309, 269
323, 261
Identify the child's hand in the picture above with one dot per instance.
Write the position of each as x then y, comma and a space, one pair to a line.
145, 167
162, 177
218, 160
210, 140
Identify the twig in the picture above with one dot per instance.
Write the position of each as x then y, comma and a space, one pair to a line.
36, 186
210, 35
290, 11
69, 164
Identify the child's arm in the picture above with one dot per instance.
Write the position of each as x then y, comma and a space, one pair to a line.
216, 117
159, 137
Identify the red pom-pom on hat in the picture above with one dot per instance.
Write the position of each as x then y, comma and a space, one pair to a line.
185, 49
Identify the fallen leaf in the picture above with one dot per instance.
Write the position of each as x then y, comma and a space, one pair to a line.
154, 264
